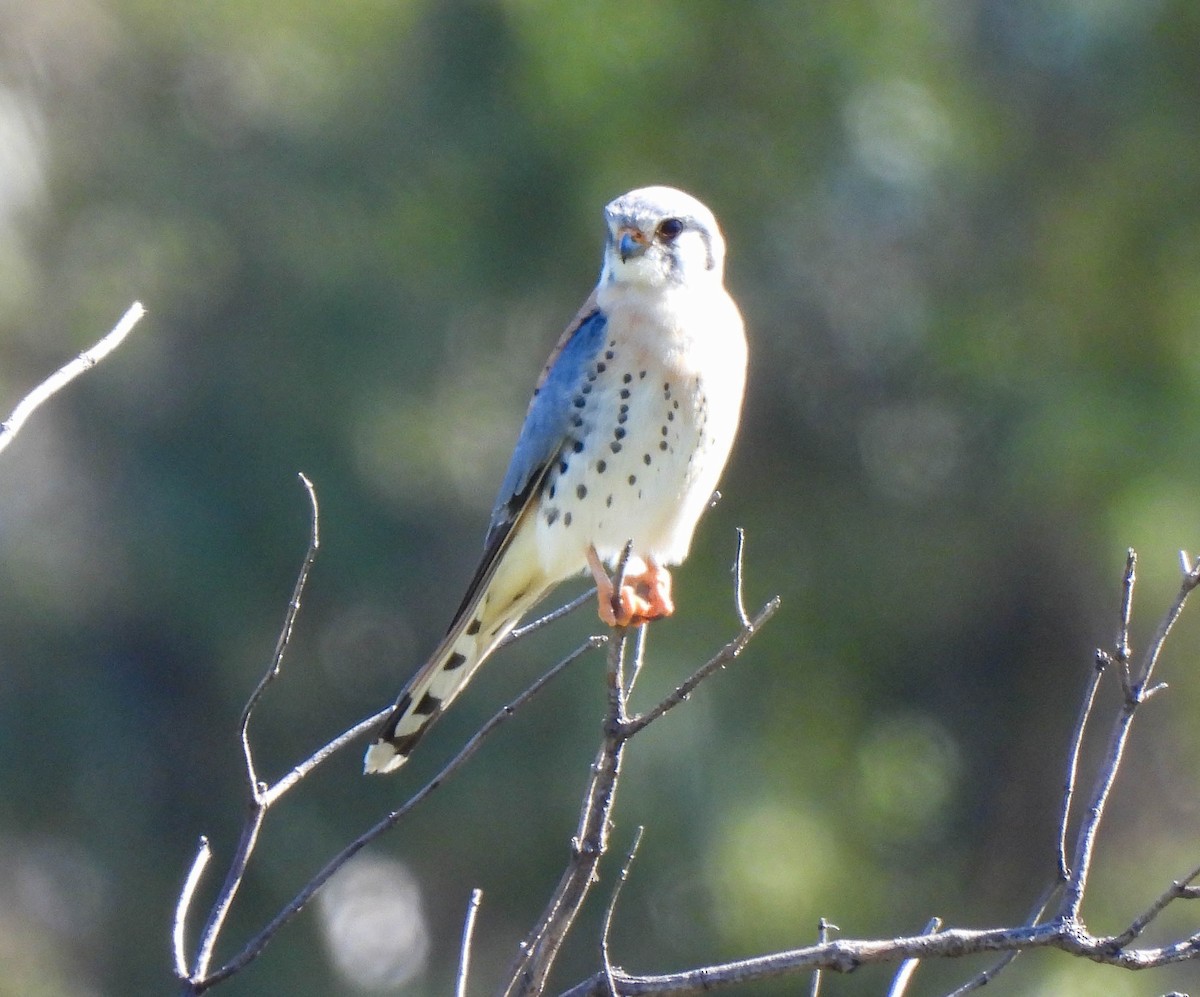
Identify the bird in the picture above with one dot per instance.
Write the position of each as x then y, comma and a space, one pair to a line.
628, 431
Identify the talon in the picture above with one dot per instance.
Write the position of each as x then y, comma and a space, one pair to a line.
644, 595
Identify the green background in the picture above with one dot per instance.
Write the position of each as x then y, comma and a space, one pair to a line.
965, 235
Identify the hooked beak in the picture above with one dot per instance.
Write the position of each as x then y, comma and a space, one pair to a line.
630, 243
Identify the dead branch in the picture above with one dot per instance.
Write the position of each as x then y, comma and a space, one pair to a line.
67, 373
1065, 931
200, 977
531, 969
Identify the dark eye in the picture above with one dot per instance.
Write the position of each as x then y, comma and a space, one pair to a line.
669, 228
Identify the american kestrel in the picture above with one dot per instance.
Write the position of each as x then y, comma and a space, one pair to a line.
628, 431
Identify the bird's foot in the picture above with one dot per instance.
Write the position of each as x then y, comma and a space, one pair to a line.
643, 595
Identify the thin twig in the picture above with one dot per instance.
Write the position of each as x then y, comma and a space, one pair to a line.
739, 601
1085, 712
1124, 653
285, 635
611, 909
272, 793
67, 373
1190, 580
257, 808
715, 663
464, 956
247, 841
635, 669
517, 633
178, 938
254, 948
1179, 889
904, 974
823, 927
1034, 918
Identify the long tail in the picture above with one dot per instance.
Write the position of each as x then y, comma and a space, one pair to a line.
494, 605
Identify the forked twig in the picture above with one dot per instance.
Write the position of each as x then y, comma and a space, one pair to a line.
1136, 694
199, 977
1065, 931
257, 808
254, 948
531, 968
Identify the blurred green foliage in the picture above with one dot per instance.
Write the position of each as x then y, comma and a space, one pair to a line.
966, 237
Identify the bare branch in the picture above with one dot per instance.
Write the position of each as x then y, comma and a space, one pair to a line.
1085, 712
611, 909
517, 633
715, 663
257, 809
464, 958
179, 942
67, 373
823, 927
1085, 840
1179, 890
847, 955
1190, 580
1035, 917
739, 601
254, 948
529, 972
271, 794
285, 636
1123, 650
904, 974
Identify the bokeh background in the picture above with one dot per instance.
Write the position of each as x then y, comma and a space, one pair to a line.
966, 238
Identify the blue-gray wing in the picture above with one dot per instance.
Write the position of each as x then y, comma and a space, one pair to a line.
547, 428
548, 422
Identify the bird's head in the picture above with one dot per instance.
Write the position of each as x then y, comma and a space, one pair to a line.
660, 236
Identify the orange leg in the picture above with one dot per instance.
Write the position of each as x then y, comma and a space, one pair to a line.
645, 592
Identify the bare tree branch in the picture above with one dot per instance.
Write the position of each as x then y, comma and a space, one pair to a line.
1085, 840
256, 808
262, 796
823, 928
908, 967
605, 959
847, 955
178, 934
254, 948
67, 373
464, 957
541, 946
1065, 932
1035, 917
285, 636
531, 969
1085, 713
